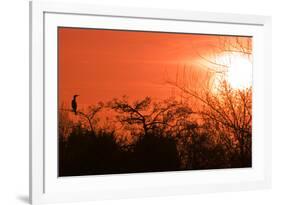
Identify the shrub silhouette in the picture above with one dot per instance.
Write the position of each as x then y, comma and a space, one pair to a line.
164, 136
156, 153
87, 153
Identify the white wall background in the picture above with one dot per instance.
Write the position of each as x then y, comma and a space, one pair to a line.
14, 100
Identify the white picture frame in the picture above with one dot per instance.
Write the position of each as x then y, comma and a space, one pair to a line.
46, 187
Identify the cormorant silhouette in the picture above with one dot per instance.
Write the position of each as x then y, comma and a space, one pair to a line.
74, 104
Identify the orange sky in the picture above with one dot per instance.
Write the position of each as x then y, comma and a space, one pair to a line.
102, 64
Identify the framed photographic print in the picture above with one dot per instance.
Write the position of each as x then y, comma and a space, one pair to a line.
130, 102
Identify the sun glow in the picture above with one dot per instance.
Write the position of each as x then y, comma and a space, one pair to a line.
238, 71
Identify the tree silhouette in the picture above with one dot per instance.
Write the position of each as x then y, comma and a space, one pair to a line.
167, 135
90, 115
147, 114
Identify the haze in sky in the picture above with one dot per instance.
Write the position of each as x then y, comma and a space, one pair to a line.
100, 65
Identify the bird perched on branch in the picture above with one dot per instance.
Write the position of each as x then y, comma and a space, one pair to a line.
74, 104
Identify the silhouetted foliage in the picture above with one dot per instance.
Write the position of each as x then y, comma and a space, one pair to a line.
156, 153
164, 136
88, 153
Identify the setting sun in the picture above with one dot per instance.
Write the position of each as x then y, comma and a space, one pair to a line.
239, 73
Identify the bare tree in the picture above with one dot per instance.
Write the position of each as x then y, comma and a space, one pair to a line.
226, 47
148, 115
228, 113
239, 44
231, 111
90, 115
87, 117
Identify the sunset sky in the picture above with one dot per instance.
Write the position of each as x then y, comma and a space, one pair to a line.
99, 65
